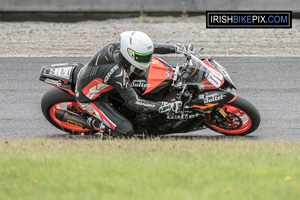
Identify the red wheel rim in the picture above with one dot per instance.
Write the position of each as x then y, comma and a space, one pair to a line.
246, 121
64, 124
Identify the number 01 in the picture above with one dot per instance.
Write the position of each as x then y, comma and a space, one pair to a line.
215, 78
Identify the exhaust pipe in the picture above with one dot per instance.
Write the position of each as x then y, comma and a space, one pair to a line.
71, 118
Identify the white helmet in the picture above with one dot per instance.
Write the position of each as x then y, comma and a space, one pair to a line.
137, 48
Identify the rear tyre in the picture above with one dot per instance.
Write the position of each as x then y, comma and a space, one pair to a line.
58, 99
243, 118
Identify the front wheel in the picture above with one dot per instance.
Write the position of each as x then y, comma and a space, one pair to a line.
242, 118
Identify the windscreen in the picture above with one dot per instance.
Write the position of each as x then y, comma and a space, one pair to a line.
196, 71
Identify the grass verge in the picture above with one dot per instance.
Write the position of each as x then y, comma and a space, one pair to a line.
59, 168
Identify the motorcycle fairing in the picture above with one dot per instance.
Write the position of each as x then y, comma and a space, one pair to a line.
159, 76
213, 78
222, 70
213, 98
59, 75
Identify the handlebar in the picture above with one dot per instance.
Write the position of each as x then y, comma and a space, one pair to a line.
188, 63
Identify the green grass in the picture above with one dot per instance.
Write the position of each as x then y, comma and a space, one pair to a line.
60, 168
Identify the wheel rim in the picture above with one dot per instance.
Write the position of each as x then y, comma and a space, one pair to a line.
62, 124
239, 121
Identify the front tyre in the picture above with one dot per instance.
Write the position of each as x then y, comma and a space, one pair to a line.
58, 99
242, 118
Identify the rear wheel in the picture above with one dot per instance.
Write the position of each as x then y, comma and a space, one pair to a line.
59, 99
242, 118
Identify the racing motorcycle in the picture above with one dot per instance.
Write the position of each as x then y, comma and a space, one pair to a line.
203, 85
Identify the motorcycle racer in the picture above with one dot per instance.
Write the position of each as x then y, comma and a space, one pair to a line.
108, 70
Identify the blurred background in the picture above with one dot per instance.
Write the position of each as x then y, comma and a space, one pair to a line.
59, 10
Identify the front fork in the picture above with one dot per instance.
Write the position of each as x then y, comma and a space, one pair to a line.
219, 115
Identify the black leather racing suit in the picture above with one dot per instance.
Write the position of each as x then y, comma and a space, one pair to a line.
106, 71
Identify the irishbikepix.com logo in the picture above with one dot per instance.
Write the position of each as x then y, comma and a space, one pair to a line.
248, 19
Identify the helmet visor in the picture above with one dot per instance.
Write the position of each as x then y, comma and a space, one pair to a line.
143, 58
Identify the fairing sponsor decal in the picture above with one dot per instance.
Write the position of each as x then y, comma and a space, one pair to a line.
168, 75
139, 84
183, 116
213, 98
53, 82
62, 72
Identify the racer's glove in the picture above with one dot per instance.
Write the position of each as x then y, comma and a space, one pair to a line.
174, 107
179, 48
191, 48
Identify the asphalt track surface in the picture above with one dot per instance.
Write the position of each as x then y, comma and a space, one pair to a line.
270, 83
